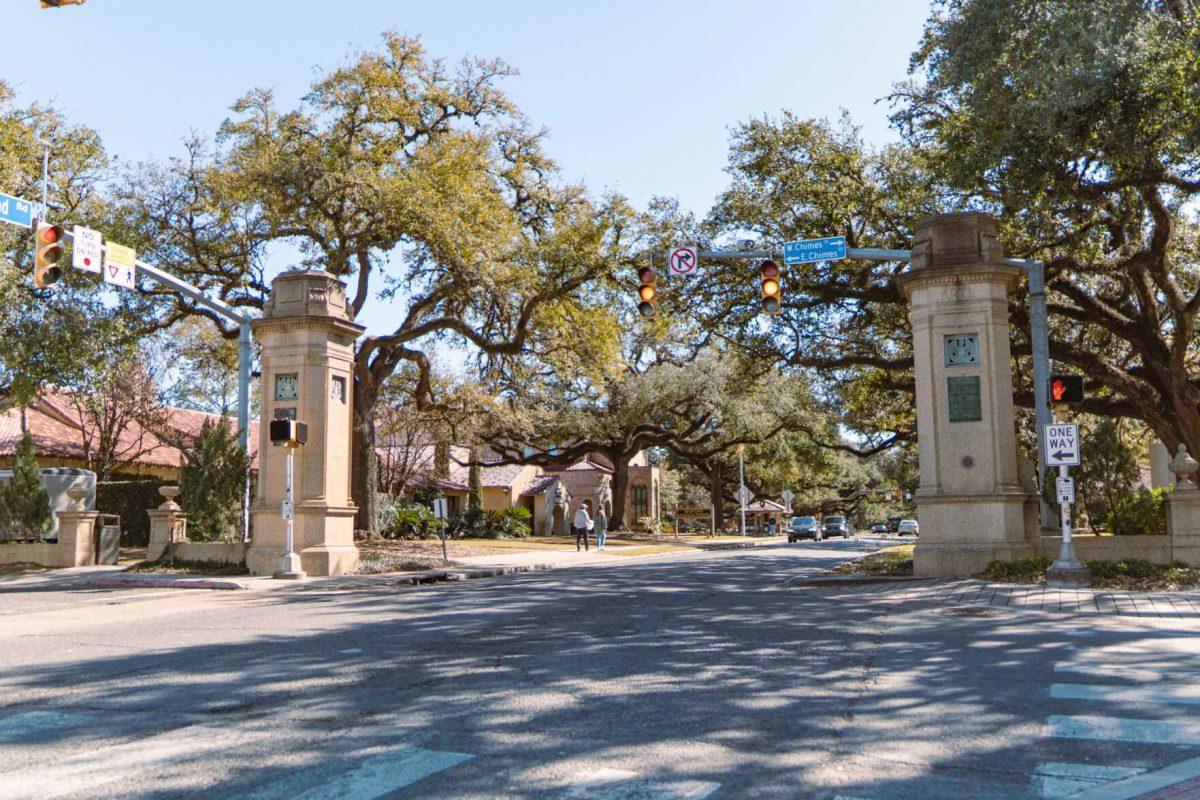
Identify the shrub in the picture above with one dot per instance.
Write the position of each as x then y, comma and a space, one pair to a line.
130, 500
212, 483
409, 522
514, 522
1139, 514
24, 502
1019, 570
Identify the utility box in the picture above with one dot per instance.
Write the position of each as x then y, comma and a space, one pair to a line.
108, 539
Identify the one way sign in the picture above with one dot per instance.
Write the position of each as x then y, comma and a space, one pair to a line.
1062, 445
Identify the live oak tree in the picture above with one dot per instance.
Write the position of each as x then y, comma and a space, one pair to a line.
1077, 124
50, 335
420, 183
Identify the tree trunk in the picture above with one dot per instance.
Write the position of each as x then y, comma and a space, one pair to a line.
716, 496
364, 460
474, 481
620, 486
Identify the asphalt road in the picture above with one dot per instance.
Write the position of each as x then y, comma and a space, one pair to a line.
698, 676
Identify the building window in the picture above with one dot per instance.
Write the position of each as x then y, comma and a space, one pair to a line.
640, 502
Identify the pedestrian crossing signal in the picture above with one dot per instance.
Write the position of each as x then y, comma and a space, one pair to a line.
1066, 389
647, 293
48, 251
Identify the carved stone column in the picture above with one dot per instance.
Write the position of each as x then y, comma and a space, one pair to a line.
970, 501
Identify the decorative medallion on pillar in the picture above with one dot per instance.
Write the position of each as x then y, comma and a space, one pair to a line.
970, 501
307, 367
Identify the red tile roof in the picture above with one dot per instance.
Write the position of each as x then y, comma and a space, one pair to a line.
58, 431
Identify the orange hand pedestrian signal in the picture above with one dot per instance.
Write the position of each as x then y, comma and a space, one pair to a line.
1066, 389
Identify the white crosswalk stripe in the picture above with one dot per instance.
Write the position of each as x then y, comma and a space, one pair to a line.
1155, 674
619, 784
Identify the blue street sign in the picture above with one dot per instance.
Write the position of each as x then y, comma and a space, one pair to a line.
805, 251
16, 211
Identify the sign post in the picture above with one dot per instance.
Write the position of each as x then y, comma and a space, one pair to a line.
291, 434
443, 517
1062, 451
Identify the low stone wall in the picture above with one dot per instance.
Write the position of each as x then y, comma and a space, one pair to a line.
217, 552
1089, 547
45, 554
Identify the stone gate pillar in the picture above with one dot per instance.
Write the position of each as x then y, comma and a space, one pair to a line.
970, 502
307, 367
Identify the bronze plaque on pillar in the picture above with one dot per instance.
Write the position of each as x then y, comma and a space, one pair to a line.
963, 395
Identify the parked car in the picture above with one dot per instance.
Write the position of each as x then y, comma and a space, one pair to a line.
879, 527
804, 528
893, 524
909, 526
835, 525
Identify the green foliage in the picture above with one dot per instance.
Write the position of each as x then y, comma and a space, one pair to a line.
891, 561
1019, 570
1108, 470
513, 522
212, 483
130, 500
1138, 575
398, 521
24, 502
1140, 514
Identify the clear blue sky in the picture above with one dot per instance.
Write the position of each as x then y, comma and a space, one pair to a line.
638, 96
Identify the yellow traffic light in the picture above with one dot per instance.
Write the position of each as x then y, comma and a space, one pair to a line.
647, 294
48, 251
771, 289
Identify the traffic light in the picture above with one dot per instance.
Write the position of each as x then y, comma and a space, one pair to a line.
46, 271
61, 3
647, 294
1066, 389
772, 292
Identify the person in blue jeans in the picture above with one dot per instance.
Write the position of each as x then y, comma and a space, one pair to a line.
601, 526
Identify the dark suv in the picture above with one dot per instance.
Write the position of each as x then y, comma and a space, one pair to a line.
804, 528
835, 525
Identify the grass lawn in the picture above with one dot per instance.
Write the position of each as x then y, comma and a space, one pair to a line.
897, 560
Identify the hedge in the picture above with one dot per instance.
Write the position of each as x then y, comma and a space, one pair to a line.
130, 500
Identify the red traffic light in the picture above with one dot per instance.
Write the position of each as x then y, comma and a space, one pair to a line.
49, 234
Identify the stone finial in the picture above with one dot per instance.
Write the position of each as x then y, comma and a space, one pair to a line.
1184, 467
77, 494
169, 494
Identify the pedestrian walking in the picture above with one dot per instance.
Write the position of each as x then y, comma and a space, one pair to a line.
583, 526
601, 528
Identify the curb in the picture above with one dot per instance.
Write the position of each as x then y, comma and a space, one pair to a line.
163, 583
467, 574
854, 580
733, 545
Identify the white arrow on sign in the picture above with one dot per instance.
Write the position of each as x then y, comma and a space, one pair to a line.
684, 261
1062, 445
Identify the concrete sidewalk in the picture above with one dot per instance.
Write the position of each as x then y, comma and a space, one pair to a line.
973, 592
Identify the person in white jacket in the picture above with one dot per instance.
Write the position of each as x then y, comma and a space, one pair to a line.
583, 526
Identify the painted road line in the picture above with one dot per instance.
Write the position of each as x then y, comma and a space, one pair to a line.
620, 784
1147, 782
1145, 731
1056, 779
99, 766
1183, 694
1129, 672
375, 776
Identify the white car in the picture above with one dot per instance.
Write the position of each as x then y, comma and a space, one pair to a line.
908, 526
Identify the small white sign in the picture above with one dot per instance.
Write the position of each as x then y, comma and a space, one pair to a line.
1065, 489
439, 508
119, 266
684, 261
87, 251
288, 510
1062, 445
